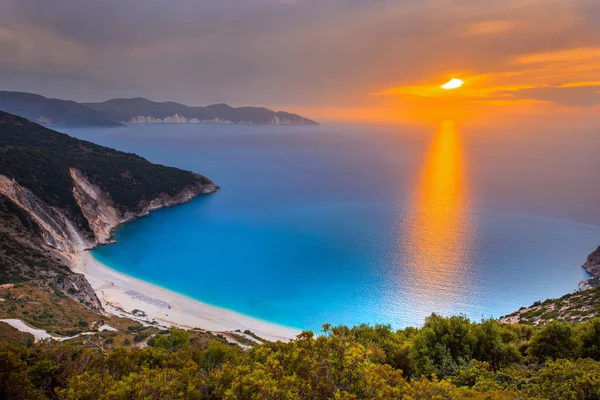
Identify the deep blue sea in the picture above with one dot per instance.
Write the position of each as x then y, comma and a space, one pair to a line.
346, 224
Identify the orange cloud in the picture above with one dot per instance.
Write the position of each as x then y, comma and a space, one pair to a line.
568, 56
489, 27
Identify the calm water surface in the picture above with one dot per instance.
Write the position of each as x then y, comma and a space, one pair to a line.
358, 224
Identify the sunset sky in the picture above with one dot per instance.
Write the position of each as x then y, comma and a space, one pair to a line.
354, 60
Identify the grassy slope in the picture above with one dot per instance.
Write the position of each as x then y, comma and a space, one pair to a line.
44, 307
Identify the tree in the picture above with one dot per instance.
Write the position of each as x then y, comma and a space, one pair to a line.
589, 337
495, 344
442, 345
554, 340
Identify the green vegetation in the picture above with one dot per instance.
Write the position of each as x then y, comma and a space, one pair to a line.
448, 358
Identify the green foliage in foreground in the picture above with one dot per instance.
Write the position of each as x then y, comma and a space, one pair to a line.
448, 358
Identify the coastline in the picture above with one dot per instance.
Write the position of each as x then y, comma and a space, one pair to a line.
111, 286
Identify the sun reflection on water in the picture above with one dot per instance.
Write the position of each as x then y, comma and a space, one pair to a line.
438, 238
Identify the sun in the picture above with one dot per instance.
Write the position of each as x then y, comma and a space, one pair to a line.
452, 84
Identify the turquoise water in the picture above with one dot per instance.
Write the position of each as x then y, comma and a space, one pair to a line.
345, 225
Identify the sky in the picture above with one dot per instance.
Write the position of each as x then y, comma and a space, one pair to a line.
348, 60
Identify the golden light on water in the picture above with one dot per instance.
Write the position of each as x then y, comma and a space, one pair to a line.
452, 84
438, 241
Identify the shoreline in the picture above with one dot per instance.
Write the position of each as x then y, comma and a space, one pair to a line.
165, 307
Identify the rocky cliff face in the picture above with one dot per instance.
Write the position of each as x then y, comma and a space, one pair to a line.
592, 266
65, 240
76, 286
57, 231
102, 214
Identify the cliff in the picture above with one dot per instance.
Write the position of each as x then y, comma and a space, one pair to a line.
60, 195
592, 266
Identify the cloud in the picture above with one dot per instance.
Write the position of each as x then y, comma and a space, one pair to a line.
562, 56
577, 96
490, 27
303, 53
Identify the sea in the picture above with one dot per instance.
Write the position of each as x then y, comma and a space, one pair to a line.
365, 224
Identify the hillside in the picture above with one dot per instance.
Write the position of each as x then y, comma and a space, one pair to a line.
140, 110
59, 195
573, 307
48, 111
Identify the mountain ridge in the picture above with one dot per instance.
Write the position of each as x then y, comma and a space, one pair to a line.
115, 112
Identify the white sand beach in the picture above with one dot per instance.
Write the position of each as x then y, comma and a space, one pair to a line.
121, 295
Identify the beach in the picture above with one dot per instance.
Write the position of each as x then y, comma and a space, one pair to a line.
122, 295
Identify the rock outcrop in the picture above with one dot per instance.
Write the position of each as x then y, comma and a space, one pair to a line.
592, 266
76, 286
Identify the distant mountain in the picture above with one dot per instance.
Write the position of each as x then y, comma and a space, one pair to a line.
140, 110
47, 111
